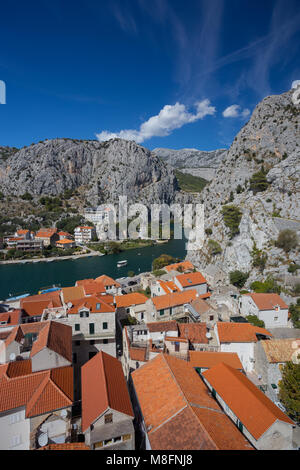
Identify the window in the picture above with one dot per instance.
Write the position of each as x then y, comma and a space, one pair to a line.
142, 315
15, 440
104, 326
105, 341
77, 327
98, 306
161, 312
275, 318
14, 418
92, 328
211, 317
74, 358
108, 418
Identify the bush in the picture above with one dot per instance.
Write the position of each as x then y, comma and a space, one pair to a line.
287, 240
162, 261
131, 273
254, 320
158, 272
268, 286
208, 231
214, 247
293, 267
27, 197
232, 217
238, 278
295, 314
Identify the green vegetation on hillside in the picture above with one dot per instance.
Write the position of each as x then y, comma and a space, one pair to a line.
289, 390
162, 261
190, 183
232, 217
268, 286
287, 240
238, 278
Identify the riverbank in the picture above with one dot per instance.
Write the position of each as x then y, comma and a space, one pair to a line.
53, 258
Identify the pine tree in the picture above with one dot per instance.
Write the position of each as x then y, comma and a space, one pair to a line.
289, 390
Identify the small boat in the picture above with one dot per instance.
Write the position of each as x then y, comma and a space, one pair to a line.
122, 263
18, 297
51, 289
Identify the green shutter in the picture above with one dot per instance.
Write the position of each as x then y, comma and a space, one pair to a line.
92, 328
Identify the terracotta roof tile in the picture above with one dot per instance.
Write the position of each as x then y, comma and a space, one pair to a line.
168, 286
194, 332
168, 391
230, 332
162, 326
253, 408
268, 301
38, 391
127, 300
49, 296
55, 336
208, 359
185, 265
191, 279
107, 281
36, 308
172, 300
72, 293
93, 304
103, 386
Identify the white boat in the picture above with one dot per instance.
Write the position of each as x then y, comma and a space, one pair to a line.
122, 263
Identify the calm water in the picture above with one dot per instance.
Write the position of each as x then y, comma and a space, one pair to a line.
16, 279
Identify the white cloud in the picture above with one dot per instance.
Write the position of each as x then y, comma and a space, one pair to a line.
295, 83
235, 111
169, 118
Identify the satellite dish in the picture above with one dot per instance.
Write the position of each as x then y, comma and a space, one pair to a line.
43, 439
208, 335
58, 315
12, 357
63, 413
69, 304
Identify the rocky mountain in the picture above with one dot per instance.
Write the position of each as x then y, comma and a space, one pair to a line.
259, 176
193, 161
99, 171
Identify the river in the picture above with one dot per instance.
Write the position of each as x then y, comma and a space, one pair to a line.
16, 279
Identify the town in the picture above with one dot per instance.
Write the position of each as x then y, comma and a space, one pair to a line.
168, 362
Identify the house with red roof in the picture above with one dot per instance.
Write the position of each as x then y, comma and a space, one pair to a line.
240, 338
107, 414
270, 308
169, 306
48, 236
254, 414
47, 344
194, 280
35, 407
174, 410
84, 234
133, 304
111, 286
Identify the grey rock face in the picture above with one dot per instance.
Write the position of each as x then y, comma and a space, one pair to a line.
271, 138
104, 171
193, 161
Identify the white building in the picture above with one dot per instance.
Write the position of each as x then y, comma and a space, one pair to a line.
240, 338
84, 234
270, 308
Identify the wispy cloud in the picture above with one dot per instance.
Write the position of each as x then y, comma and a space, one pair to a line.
124, 17
169, 118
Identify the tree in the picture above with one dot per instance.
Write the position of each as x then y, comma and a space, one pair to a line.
293, 267
268, 286
232, 217
289, 390
238, 278
258, 182
287, 240
294, 310
162, 261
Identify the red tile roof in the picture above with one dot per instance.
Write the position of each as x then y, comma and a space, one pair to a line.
93, 304
168, 286
185, 265
50, 296
128, 300
230, 332
12, 318
107, 281
191, 279
103, 386
39, 392
171, 300
168, 391
55, 336
268, 301
194, 332
208, 359
253, 408
162, 326
72, 293
36, 308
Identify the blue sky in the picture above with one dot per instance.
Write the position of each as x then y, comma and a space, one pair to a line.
162, 72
